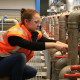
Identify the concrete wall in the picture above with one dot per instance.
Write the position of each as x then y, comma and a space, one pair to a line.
17, 4
13, 7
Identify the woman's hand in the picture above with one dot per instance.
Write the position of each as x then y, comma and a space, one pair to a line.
61, 47
58, 45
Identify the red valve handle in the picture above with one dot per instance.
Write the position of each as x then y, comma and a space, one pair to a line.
75, 67
79, 47
66, 16
48, 32
67, 40
51, 35
72, 75
64, 56
43, 26
58, 17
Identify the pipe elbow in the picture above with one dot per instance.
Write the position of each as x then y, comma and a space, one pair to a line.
63, 71
14, 21
67, 70
62, 62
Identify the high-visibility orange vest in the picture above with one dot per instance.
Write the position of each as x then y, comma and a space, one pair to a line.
18, 30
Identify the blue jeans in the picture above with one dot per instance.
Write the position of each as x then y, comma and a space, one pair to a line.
15, 67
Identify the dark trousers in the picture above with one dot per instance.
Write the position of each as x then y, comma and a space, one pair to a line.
15, 67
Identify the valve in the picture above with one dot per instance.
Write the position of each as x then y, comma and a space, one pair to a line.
48, 32
43, 26
66, 16
64, 56
51, 35
77, 75
79, 48
75, 67
57, 17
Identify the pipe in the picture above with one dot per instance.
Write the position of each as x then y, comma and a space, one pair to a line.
63, 1
52, 26
7, 24
62, 62
43, 30
69, 5
58, 53
50, 2
13, 21
73, 26
56, 27
54, 59
65, 70
47, 23
63, 27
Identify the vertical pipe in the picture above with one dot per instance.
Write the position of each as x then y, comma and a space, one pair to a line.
62, 28
73, 25
56, 27
70, 5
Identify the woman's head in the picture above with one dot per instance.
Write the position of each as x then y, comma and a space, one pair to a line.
30, 18
27, 14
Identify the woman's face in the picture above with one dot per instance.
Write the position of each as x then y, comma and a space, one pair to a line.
34, 23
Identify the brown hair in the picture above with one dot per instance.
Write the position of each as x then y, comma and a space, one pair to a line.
27, 14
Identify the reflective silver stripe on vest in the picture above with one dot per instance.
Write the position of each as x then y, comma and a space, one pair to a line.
16, 49
14, 29
3, 55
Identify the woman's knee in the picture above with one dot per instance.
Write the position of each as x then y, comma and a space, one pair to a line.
29, 72
21, 56
31, 75
34, 73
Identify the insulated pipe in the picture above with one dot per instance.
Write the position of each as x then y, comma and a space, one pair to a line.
58, 53
43, 30
69, 5
73, 26
65, 70
55, 59
62, 27
7, 24
52, 26
47, 23
50, 19
62, 62
56, 28
13, 21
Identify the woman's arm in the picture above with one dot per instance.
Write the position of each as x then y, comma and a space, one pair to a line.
44, 39
15, 40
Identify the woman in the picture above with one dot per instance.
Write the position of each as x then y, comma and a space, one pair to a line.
18, 43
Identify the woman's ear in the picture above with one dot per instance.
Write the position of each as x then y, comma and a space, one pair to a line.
25, 21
